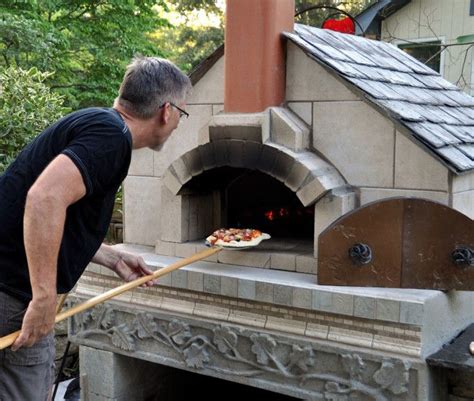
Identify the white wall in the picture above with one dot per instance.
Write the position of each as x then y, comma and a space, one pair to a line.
443, 19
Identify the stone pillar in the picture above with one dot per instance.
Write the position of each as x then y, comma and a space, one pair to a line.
334, 205
254, 53
106, 376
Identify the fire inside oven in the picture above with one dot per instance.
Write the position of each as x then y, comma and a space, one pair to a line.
252, 199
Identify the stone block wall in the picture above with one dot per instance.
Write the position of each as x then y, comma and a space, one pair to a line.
463, 194
370, 152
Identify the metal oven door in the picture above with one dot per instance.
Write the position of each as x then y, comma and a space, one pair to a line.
399, 242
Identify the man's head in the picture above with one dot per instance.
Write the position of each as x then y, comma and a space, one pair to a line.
154, 92
149, 83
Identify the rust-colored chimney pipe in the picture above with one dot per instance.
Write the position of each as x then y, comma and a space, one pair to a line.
254, 53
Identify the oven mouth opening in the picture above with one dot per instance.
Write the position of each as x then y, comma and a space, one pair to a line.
252, 199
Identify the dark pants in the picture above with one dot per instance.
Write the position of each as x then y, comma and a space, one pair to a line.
25, 375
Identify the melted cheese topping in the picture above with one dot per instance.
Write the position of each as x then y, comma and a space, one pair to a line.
239, 244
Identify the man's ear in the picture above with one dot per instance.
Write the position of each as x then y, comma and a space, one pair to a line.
164, 113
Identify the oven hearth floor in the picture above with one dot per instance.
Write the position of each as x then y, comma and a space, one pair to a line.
288, 254
288, 245
249, 276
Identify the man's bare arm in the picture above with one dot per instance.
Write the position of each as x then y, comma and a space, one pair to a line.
58, 186
106, 256
128, 266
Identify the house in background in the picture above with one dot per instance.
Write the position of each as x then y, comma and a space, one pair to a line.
423, 27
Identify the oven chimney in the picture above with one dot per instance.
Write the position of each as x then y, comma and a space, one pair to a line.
254, 53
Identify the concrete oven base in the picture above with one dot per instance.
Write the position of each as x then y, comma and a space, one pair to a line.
108, 376
275, 330
271, 360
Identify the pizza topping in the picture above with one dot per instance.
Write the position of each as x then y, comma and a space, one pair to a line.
236, 237
212, 239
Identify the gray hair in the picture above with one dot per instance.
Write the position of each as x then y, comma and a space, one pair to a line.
149, 82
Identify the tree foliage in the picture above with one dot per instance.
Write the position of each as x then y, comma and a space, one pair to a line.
87, 43
189, 45
26, 42
197, 33
190, 41
27, 106
187, 6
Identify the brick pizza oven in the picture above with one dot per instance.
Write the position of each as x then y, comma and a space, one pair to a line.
291, 128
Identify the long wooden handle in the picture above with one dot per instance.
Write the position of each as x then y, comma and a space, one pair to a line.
10, 338
61, 300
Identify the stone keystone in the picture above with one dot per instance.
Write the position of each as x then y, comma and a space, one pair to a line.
236, 126
288, 129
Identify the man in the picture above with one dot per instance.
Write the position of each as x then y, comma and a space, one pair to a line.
56, 202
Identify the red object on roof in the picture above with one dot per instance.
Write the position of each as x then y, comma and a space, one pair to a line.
345, 25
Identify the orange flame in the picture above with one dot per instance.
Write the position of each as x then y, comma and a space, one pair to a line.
277, 213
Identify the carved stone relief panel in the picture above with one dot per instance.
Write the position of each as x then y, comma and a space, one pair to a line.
286, 364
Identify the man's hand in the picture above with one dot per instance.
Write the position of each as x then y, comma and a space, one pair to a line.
130, 267
37, 322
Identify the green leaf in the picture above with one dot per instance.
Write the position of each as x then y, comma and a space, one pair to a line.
27, 106
86, 43
465, 39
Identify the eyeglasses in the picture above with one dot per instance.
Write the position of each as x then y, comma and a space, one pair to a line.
182, 113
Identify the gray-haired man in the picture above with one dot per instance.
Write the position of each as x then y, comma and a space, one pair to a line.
56, 202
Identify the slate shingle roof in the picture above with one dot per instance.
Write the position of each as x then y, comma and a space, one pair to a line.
436, 112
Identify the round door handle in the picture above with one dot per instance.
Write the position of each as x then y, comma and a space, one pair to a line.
463, 256
360, 254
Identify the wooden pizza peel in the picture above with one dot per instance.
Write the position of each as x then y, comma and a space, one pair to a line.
9, 339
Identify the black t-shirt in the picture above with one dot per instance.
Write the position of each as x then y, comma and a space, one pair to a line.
100, 145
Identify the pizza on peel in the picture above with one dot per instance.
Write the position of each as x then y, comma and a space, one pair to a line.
236, 237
